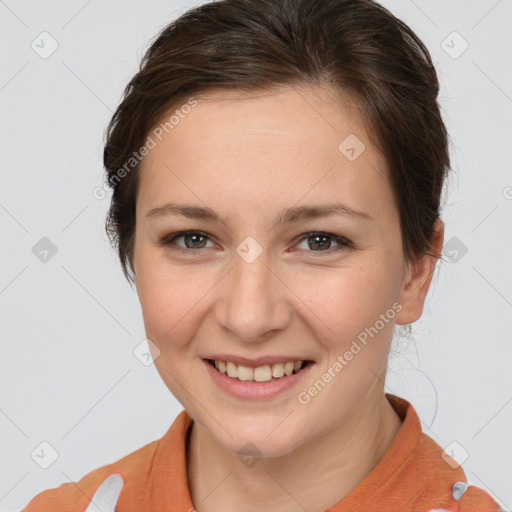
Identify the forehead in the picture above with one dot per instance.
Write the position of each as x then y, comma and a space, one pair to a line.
286, 144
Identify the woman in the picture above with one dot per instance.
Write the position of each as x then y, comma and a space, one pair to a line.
277, 169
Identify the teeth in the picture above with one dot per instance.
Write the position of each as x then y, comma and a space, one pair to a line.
277, 370
245, 373
232, 369
261, 373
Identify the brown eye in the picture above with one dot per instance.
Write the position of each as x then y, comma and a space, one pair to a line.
193, 240
318, 242
322, 242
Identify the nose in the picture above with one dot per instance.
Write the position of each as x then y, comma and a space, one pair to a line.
253, 301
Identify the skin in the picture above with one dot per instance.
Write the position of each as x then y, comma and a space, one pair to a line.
247, 156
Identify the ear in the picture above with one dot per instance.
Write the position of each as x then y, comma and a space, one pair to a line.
417, 278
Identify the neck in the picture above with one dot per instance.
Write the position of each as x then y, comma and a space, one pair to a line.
332, 466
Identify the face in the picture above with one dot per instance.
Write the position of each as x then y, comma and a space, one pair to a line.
260, 287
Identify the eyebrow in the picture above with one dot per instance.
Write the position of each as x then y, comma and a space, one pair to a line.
285, 216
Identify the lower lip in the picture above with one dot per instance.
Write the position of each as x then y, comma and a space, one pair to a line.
255, 390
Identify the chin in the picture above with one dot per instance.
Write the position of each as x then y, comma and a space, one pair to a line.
260, 447
257, 439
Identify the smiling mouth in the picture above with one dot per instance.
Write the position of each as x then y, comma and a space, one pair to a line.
265, 373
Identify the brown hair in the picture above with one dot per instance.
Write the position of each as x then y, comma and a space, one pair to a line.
354, 46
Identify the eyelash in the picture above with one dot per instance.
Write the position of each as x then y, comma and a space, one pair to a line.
168, 241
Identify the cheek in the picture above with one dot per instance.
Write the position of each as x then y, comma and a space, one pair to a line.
340, 301
355, 318
168, 298
355, 308
348, 299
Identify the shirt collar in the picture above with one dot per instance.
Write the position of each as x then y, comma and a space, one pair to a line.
169, 490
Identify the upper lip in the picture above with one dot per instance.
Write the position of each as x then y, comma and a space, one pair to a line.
255, 362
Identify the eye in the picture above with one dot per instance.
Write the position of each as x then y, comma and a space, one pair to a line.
196, 240
321, 240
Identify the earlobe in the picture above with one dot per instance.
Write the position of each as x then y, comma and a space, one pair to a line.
417, 279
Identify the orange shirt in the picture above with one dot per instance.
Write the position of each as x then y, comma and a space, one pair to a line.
411, 477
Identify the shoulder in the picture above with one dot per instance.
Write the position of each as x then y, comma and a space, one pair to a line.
448, 484
153, 473
430, 480
134, 468
477, 500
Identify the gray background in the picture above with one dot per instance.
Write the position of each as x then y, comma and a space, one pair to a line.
69, 325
